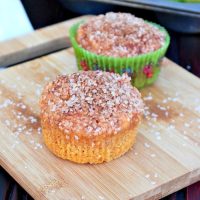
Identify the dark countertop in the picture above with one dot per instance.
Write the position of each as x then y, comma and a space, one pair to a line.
189, 9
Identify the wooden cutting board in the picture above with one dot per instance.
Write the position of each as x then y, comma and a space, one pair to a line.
165, 158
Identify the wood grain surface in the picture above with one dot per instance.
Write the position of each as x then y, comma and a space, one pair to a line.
37, 43
165, 158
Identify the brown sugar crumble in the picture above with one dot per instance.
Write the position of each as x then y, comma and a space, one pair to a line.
93, 102
119, 35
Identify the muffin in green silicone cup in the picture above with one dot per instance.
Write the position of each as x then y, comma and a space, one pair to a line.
120, 43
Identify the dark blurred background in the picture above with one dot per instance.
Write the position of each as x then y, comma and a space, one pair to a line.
184, 30
184, 50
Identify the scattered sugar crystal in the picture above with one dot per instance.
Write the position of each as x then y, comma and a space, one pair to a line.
181, 114
153, 155
149, 123
39, 130
14, 86
174, 99
101, 197
158, 138
6, 103
28, 133
76, 137
7, 122
187, 125
185, 138
23, 106
177, 94
33, 119
154, 115
153, 126
162, 108
146, 145
13, 146
16, 142
196, 100
148, 98
153, 182
155, 175
38, 92
157, 133
147, 175
38, 145
32, 141
67, 137
30, 129
19, 95
197, 108
171, 127
46, 78
146, 108
171, 135
164, 101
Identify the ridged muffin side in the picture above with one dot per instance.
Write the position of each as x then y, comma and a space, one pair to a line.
93, 150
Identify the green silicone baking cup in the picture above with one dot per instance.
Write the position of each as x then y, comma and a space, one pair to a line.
143, 69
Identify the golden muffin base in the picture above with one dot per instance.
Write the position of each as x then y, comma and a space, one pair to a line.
86, 150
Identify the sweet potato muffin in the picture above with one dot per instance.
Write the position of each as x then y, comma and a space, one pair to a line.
90, 117
120, 43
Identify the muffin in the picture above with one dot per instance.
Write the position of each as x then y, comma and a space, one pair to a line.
121, 43
90, 116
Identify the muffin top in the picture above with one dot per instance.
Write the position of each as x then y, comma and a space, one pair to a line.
119, 35
91, 103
